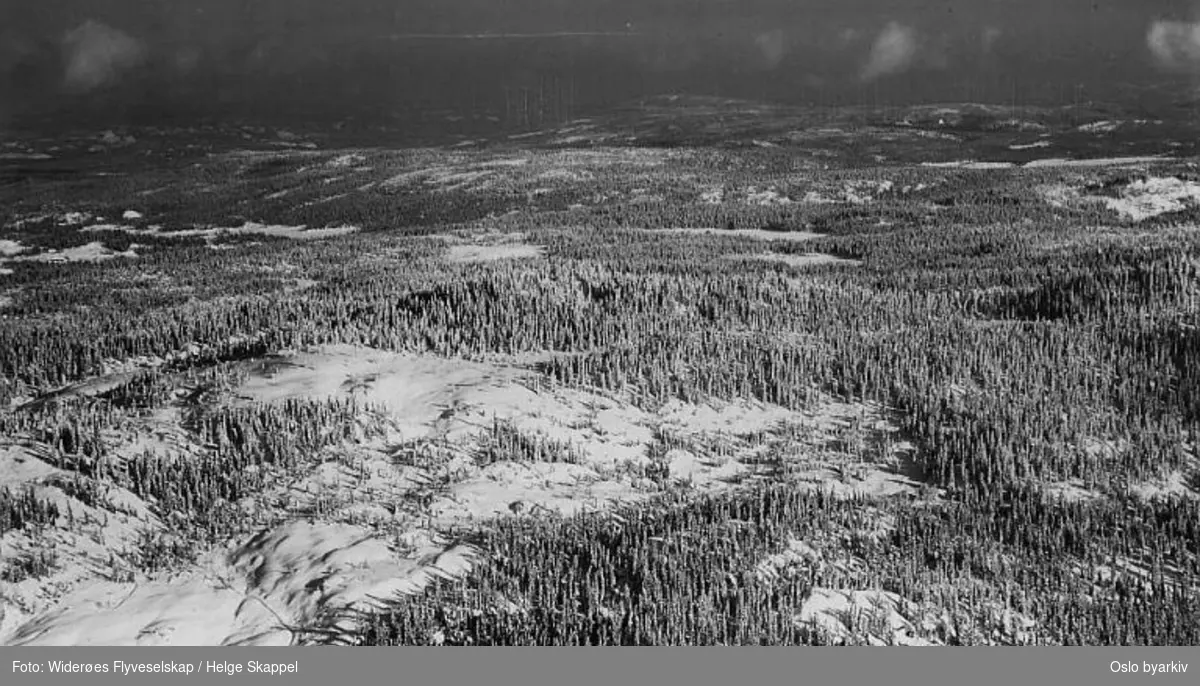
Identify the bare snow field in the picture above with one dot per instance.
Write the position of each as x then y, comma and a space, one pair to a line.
1137, 200
262, 591
135, 225
1030, 146
1098, 162
295, 232
755, 234
453, 400
1146, 198
13, 251
968, 164
471, 247
1174, 485
246, 229
1104, 126
347, 160
851, 192
805, 260
92, 252
25, 156
464, 253
1052, 162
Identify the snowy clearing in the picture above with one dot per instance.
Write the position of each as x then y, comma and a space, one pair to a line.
455, 400
92, 252
1097, 162
1175, 485
805, 260
1030, 146
260, 592
33, 156
1136, 201
347, 160
757, 234
296, 232
466, 253
1151, 197
842, 613
968, 164
1105, 126
249, 228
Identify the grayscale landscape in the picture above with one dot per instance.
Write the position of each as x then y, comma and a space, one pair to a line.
600, 324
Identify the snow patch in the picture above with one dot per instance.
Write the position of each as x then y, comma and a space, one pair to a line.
466, 253
969, 164
805, 260
1147, 198
1030, 146
248, 228
768, 196
25, 156
8, 247
1173, 485
881, 617
1098, 162
296, 232
92, 252
756, 234
348, 160
74, 218
1105, 126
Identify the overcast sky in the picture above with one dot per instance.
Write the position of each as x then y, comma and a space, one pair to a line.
51, 49
374, 16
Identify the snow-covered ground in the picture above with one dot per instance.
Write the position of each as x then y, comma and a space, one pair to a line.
1097, 162
1030, 146
969, 164
13, 251
1105, 126
91, 252
805, 260
1146, 198
247, 228
264, 588
756, 234
490, 253
31, 156
262, 591
1136, 201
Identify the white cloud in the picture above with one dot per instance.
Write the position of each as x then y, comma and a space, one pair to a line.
187, 59
894, 50
97, 55
987, 41
1175, 44
772, 47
